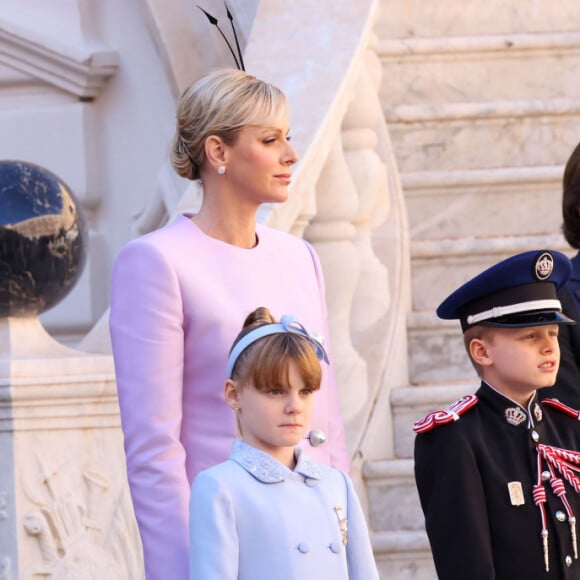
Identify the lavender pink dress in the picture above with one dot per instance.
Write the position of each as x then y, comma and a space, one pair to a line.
179, 298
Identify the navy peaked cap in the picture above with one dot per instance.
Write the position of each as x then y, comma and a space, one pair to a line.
519, 291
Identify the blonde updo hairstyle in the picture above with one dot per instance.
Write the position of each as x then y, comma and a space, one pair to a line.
220, 104
266, 362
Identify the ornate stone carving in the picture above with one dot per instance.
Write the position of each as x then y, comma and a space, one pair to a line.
86, 539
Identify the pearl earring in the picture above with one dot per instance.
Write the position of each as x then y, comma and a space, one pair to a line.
221, 169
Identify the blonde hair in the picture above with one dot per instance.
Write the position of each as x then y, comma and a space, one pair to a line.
220, 104
266, 362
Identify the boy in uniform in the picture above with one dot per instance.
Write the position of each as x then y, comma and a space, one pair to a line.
497, 472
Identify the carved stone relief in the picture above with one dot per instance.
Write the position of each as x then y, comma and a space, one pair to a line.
85, 533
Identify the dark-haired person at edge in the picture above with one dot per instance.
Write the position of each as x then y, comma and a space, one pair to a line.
567, 387
181, 293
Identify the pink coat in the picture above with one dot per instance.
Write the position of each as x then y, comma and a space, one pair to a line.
178, 300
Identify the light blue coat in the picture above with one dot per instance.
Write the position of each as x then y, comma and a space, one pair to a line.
252, 518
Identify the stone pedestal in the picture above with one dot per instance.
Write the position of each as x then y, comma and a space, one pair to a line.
65, 510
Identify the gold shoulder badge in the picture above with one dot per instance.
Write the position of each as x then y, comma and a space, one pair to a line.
451, 413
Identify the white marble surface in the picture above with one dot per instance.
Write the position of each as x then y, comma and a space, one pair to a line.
456, 17
395, 504
484, 136
475, 69
484, 203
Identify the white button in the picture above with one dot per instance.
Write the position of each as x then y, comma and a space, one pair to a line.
303, 548
335, 548
568, 560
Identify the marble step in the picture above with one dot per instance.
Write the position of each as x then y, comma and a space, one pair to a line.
403, 556
409, 404
436, 350
392, 496
460, 18
440, 266
399, 540
479, 68
498, 134
480, 203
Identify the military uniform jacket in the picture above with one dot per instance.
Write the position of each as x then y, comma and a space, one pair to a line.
252, 518
463, 469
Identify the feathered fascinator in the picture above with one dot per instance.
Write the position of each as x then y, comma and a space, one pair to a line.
238, 59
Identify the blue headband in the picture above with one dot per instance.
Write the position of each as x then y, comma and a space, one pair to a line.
287, 324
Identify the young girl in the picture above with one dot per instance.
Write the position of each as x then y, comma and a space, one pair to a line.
269, 511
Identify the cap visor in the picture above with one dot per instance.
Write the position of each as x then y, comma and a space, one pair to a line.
529, 319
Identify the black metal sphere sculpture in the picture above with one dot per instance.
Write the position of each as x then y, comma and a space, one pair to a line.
43, 239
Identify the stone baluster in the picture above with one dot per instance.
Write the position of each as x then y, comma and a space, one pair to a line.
332, 233
369, 175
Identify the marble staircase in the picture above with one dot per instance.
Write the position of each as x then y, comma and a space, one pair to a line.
483, 112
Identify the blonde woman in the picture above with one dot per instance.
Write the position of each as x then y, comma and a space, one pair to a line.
180, 294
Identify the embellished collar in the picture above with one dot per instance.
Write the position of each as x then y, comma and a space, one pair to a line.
514, 413
267, 469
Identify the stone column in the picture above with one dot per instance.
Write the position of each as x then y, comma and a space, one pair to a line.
332, 232
371, 298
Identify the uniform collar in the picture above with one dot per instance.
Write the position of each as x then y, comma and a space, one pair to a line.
266, 469
513, 412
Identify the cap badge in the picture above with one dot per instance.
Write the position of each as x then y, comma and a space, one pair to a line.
544, 266
515, 416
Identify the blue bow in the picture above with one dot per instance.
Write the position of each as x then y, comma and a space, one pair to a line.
288, 323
